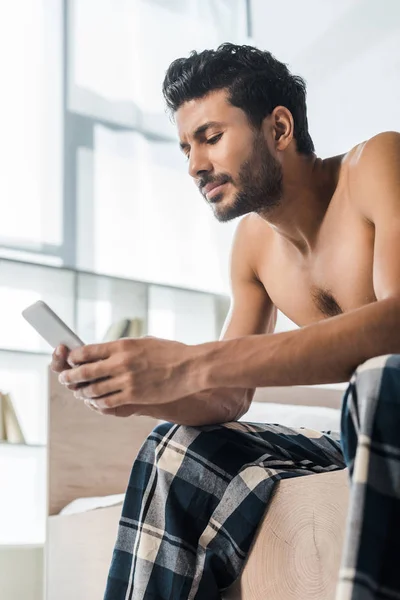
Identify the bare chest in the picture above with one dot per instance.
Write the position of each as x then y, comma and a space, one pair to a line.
336, 279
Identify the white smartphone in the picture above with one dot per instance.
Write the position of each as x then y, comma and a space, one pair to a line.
50, 326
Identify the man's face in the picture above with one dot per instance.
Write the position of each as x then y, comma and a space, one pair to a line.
229, 160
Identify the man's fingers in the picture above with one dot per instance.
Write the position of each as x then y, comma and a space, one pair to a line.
85, 374
93, 352
93, 406
59, 360
75, 387
120, 411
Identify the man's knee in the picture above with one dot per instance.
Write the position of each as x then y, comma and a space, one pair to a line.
376, 379
371, 405
377, 368
162, 429
168, 439
379, 363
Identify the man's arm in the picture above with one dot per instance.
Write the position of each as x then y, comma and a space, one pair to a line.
329, 351
149, 376
167, 379
251, 312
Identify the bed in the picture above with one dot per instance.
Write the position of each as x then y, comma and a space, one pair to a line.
295, 555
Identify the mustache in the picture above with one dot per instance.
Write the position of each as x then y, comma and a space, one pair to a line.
220, 180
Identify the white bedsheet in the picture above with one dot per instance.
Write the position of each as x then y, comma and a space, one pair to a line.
84, 504
320, 418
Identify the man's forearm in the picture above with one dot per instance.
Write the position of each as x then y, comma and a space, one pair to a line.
208, 407
325, 352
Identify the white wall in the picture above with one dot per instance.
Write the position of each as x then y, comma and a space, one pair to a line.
349, 53
21, 572
147, 219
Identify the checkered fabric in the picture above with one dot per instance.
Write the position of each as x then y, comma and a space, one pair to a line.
196, 497
370, 427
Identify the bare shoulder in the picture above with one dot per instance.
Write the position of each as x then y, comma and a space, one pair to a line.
376, 149
373, 169
252, 311
251, 241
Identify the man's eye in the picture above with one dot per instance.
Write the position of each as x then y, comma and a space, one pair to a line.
214, 139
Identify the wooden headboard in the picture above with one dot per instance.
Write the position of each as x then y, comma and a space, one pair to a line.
92, 455
88, 454
305, 395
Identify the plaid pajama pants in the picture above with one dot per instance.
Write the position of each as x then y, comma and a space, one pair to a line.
196, 496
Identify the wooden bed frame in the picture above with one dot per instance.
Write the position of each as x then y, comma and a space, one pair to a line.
295, 555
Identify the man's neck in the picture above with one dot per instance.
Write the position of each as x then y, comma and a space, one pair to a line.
308, 187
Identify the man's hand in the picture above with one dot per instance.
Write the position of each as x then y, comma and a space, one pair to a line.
60, 362
131, 376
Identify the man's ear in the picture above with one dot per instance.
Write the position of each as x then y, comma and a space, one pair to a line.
282, 126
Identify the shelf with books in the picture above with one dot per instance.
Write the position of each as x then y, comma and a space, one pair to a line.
103, 302
98, 307
24, 377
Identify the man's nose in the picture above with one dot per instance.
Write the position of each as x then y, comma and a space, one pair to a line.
199, 164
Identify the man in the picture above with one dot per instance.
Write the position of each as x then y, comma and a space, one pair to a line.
320, 240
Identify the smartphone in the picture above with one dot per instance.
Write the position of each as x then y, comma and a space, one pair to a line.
49, 325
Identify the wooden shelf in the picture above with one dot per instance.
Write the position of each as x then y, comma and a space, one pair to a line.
10, 445
26, 352
104, 275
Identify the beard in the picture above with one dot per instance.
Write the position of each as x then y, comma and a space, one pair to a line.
260, 184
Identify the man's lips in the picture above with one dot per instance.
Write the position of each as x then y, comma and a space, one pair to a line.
208, 190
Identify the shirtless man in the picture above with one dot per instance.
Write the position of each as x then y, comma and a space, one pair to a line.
319, 240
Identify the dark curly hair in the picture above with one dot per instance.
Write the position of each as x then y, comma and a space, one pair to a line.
256, 82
